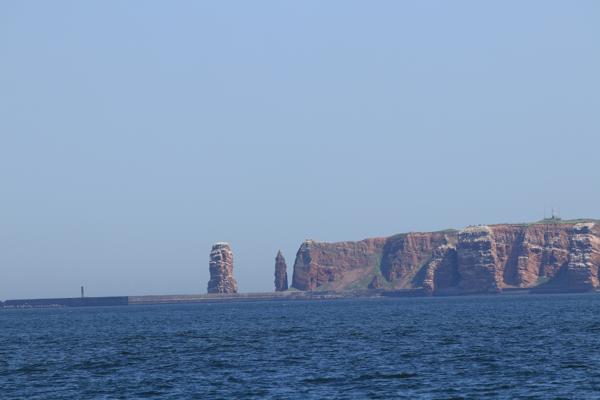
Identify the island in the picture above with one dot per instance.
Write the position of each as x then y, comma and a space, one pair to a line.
548, 256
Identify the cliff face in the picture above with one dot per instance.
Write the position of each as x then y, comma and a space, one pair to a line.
336, 266
221, 270
584, 258
441, 272
550, 254
281, 278
404, 256
478, 265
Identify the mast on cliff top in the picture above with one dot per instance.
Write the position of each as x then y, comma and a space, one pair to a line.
554, 216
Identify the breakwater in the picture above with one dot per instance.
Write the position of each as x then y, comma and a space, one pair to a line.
67, 302
245, 297
188, 298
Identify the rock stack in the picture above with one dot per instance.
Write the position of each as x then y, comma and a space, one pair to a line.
281, 279
221, 269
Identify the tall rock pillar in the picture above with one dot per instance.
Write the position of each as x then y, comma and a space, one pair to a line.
281, 279
221, 269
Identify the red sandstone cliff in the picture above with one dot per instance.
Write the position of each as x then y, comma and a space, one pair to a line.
336, 266
221, 269
550, 254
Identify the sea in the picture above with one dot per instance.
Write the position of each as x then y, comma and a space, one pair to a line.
474, 347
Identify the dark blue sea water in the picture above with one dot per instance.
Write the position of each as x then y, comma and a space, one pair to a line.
445, 348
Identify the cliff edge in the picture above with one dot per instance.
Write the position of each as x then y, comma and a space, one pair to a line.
552, 255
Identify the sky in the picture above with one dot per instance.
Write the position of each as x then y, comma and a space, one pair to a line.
134, 135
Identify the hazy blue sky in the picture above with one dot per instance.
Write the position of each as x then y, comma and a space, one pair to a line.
134, 134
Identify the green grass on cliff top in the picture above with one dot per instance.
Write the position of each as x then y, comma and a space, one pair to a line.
547, 221
554, 221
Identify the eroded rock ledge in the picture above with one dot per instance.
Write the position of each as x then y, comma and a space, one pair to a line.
551, 254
